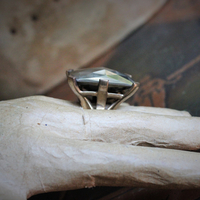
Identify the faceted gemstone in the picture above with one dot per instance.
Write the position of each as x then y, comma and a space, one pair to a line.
92, 76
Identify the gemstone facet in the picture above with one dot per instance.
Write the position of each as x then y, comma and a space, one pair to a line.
92, 77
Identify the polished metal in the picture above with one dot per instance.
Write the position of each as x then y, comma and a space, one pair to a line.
101, 88
102, 94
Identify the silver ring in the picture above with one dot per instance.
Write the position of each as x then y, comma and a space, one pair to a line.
101, 88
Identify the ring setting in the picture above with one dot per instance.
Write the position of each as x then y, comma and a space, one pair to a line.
101, 88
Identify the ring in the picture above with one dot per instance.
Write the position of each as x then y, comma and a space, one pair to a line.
101, 88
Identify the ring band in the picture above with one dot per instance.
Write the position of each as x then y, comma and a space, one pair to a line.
101, 88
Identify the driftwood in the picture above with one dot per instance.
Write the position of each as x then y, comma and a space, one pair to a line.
40, 40
51, 145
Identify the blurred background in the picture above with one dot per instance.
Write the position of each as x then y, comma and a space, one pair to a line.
157, 41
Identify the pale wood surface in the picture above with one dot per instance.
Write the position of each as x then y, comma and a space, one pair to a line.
56, 145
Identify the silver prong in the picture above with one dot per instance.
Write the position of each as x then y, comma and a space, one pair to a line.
102, 94
115, 96
128, 75
128, 94
85, 103
68, 72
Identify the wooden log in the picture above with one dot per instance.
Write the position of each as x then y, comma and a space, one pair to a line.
48, 144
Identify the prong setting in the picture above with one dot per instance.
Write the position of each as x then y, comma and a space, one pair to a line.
108, 87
